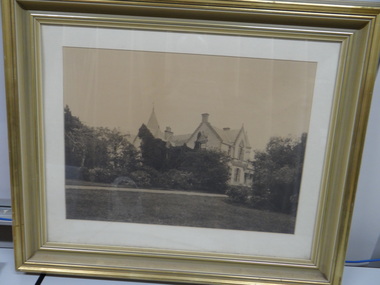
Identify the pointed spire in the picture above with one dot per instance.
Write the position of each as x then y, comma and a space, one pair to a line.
153, 125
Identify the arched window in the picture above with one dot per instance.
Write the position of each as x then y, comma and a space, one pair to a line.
237, 175
241, 151
201, 141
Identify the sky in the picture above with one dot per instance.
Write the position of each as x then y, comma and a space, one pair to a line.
119, 89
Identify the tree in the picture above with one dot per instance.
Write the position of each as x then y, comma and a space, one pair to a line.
176, 156
77, 138
101, 152
209, 168
183, 167
277, 174
121, 154
153, 150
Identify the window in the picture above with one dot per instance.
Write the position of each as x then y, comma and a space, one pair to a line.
241, 151
237, 175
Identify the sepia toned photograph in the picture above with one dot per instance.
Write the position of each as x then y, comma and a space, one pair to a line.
185, 139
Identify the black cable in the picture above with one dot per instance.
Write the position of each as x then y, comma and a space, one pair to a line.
40, 279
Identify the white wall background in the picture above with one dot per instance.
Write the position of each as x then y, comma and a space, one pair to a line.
365, 228
4, 165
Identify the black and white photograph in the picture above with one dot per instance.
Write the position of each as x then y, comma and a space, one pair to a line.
182, 139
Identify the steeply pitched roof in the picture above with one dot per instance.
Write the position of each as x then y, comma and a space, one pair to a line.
225, 136
154, 127
179, 140
228, 136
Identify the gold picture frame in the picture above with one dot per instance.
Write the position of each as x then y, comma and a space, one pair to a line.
42, 38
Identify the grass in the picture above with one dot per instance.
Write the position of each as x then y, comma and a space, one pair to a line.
171, 209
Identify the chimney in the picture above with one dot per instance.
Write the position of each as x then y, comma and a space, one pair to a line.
205, 117
168, 133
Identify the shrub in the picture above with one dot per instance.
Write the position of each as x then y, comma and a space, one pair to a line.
239, 194
84, 174
210, 170
153, 174
142, 178
101, 175
262, 200
177, 179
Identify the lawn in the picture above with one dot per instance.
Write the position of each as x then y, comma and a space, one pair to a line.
171, 209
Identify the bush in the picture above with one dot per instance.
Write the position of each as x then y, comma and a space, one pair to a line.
177, 179
101, 175
239, 194
142, 178
209, 168
262, 200
84, 174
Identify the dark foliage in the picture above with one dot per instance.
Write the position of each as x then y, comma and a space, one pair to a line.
239, 194
209, 168
153, 150
277, 175
177, 179
96, 154
182, 167
103, 155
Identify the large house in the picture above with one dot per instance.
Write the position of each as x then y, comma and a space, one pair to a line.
233, 142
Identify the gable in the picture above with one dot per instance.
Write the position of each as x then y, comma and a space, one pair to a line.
242, 141
213, 139
228, 136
